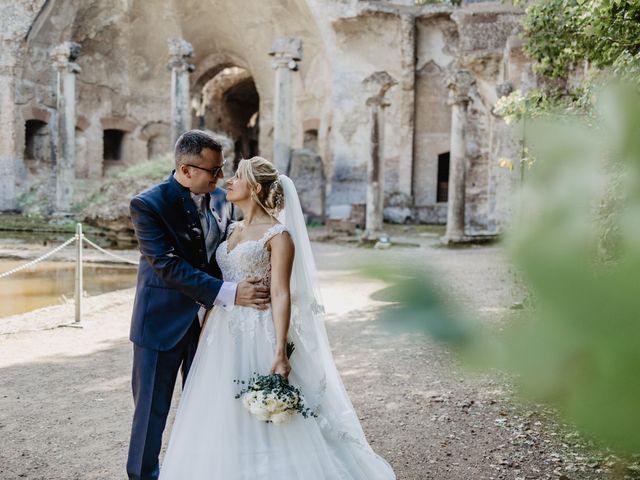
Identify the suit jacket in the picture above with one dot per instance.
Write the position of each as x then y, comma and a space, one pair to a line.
175, 278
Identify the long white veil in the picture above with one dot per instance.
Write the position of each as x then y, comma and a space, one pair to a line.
312, 361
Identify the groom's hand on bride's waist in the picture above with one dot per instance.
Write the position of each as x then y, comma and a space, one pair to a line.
252, 293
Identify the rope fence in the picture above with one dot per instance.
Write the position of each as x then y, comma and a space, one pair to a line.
79, 239
106, 252
39, 259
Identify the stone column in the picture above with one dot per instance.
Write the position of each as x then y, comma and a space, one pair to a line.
459, 84
376, 85
9, 124
179, 52
286, 53
407, 84
64, 128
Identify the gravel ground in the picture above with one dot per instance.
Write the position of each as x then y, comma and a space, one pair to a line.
65, 402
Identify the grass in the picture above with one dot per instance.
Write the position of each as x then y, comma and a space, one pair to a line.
156, 168
14, 222
22, 223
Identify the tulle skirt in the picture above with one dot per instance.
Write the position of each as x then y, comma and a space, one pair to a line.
215, 437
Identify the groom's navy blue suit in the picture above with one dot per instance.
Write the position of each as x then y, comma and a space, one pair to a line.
175, 278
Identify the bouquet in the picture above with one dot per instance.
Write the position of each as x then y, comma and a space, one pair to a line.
272, 398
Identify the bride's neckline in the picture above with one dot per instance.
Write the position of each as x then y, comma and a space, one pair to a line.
247, 241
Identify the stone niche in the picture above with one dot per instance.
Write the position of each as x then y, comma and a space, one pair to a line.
156, 137
37, 147
307, 172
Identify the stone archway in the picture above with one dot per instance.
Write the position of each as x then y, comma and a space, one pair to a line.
226, 101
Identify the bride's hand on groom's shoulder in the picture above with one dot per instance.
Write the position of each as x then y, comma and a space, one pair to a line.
252, 293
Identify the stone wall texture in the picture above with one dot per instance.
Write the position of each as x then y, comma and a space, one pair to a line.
124, 91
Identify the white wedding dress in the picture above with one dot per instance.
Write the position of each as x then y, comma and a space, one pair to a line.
215, 438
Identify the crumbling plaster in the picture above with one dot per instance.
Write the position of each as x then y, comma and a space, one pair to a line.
124, 75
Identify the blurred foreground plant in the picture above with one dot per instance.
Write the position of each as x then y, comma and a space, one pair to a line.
577, 247
418, 305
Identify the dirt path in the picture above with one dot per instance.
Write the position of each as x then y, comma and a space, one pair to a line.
65, 402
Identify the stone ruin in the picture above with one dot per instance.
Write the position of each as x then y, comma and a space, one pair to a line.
88, 87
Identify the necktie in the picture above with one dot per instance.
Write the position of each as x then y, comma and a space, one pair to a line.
207, 221
204, 218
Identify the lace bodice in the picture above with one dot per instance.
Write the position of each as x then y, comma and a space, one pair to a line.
248, 258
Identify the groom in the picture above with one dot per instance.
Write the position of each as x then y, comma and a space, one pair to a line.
179, 223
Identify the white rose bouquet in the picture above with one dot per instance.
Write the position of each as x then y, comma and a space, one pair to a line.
272, 398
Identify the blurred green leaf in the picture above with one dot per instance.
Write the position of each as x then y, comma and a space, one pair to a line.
580, 349
576, 243
418, 306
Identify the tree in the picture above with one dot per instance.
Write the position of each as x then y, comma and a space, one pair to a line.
578, 46
563, 35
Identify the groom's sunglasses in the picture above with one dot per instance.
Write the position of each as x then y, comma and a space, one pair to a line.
214, 171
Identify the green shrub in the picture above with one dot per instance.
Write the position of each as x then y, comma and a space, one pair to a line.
156, 168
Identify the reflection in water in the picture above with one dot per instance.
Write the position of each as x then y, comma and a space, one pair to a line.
49, 283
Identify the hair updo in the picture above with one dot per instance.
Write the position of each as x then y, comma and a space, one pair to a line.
258, 170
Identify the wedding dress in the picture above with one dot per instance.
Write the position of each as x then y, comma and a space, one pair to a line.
215, 437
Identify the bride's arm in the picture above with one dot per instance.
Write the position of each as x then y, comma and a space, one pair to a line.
282, 253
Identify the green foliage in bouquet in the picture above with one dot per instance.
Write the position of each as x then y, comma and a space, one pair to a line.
272, 398
290, 349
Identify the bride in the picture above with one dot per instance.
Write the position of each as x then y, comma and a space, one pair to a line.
214, 436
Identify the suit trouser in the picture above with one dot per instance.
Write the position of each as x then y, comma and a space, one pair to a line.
153, 380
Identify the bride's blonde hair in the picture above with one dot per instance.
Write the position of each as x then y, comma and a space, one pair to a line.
258, 170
